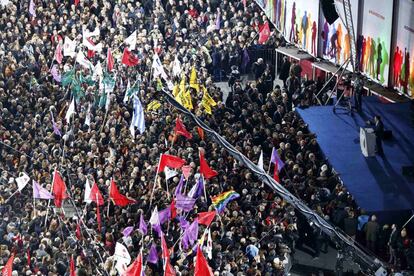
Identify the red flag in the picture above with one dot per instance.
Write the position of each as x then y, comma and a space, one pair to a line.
206, 217
181, 130
58, 54
173, 210
96, 195
72, 266
165, 252
29, 258
59, 189
117, 197
201, 265
78, 232
205, 168
8, 268
90, 53
169, 269
135, 269
77, 2
129, 59
264, 33
200, 133
109, 60
276, 174
170, 161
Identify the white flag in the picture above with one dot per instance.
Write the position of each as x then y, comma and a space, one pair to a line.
169, 173
88, 116
176, 70
87, 34
138, 118
87, 195
69, 47
4, 2
260, 162
126, 98
71, 111
158, 69
81, 59
131, 41
154, 219
122, 258
98, 72
209, 247
22, 181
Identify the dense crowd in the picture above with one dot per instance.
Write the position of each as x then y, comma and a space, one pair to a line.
256, 234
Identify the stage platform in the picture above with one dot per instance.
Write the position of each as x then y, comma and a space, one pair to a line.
377, 184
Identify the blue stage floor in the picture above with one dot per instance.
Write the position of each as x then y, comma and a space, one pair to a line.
377, 184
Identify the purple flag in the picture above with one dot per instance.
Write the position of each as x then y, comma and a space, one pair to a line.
179, 186
127, 231
197, 190
164, 215
142, 226
190, 235
55, 73
56, 130
218, 21
40, 192
246, 59
275, 159
183, 222
32, 8
153, 255
184, 203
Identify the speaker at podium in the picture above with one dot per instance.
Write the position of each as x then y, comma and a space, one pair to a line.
367, 141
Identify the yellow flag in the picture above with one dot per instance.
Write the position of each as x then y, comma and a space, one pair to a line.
193, 79
182, 83
207, 102
180, 97
154, 105
188, 103
175, 90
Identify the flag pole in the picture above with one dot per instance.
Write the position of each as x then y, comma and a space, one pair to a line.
204, 187
268, 169
155, 181
15, 192
168, 190
109, 199
48, 203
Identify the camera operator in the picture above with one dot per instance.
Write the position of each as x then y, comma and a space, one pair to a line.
358, 90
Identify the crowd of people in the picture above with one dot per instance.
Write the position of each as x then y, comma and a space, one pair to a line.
257, 234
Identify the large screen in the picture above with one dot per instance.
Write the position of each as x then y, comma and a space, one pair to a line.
298, 22
334, 37
374, 43
403, 55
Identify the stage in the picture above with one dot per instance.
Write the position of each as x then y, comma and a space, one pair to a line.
377, 184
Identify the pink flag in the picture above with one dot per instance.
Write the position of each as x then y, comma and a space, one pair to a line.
186, 171
55, 73
32, 8
58, 54
40, 192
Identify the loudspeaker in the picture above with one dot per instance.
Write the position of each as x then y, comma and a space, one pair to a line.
329, 11
387, 135
408, 171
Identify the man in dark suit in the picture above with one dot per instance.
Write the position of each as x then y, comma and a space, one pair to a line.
379, 133
392, 245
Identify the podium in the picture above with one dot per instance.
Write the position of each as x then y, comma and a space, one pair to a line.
367, 141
